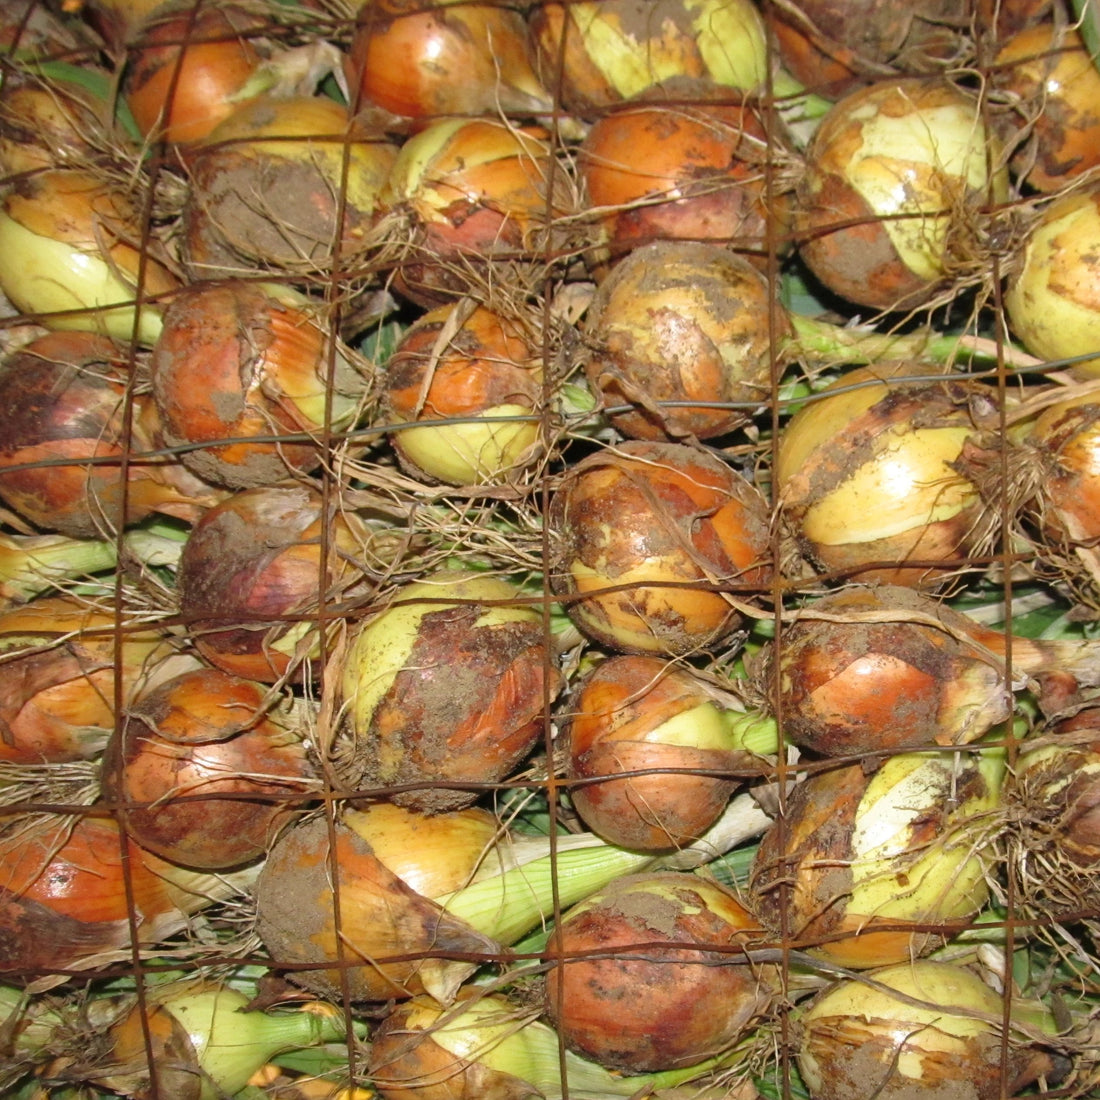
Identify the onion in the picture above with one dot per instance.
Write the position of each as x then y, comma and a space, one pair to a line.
472, 377
889, 247
269, 190
207, 770
238, 363
872, 475
677, 322
688, 743
33, 564
254, 574
869, 869
421, 61
204, 1043
1050, 297
445, 690
64, 903
63, 661
189, 69
67, 426
652, 543
932, 1029
467, 192
682, 173
682, 939
72, 247
616, 50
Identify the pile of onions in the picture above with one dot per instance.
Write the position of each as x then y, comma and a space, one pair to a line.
656, 546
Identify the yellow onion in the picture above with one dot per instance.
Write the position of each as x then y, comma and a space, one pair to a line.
654, 546
33, 564
65, 434
61, 671
445, 689
676, 322
118, 20
207, 769
472, 379
871, 474
1052, 297
867, 869
468, 191
269, 190
678, 937
237, 363
424, 899
73, 249
615, 50
420, 60
929, 1029
254, 574
889, 246
655, 751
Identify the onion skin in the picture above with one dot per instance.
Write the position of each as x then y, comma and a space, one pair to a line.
488, 373
639, 713
212, 738
874, 472
677, 321
854, 1042
649, 515
871, 242
868, 870
669, 933
269, 192
447, 685
240, 362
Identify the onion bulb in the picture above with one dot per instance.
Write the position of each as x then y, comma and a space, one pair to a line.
678, 937
207, 770
72, 251
870, 869
655, 751
471, 379
616, 50
654, 543
676, 322
240, 362
886, 246
929, 1029
871, 474
445, 690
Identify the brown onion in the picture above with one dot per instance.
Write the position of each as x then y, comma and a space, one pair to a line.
676, 322
208, 770
654, 543
871, 474
444, 689
65, 434
269, 190
240, 362
476, 396
867, 869
680, 938
252, 579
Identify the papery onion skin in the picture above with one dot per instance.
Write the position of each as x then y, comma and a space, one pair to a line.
269, 190
670, 934
488, 375
676, 321
868, 870
668, 524
868, 240
447, 685
211, 737
854, 1042
238, 362
871, 475
251, 579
